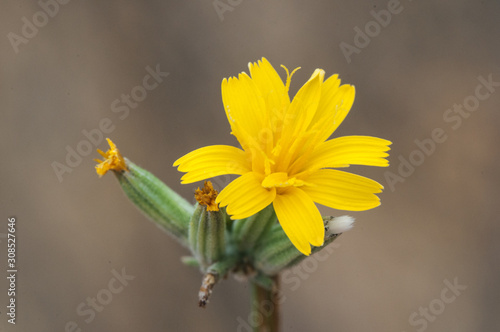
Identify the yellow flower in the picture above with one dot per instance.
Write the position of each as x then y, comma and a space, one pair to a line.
286, 158
113, 160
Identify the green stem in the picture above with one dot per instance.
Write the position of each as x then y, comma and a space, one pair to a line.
265, 307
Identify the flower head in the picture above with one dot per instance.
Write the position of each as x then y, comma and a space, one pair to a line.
113, 160
207, 196
286, 158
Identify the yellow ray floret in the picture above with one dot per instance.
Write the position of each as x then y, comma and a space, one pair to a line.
113, 160
286, 158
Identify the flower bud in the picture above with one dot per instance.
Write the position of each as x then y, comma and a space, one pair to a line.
207, 228
276, 253
154, 198
249, 231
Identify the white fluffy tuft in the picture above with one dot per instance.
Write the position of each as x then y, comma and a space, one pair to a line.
340, 224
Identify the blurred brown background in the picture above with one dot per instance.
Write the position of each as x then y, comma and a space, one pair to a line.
389, 273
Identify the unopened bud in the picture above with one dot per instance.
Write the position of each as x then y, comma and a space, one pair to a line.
248, 232
276, 252
207, 228
154, 198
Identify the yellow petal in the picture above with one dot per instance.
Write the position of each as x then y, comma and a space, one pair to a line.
297, 119
342, 190
345, 151
211, 161
245, 196
305, 103
270, 85
323, 117
300, 219
334, 105
244, 105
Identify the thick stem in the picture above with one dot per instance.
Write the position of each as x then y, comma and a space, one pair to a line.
265, 310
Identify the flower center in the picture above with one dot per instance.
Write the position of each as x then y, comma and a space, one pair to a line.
280, 180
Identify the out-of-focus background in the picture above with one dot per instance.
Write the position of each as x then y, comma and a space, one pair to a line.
427, 78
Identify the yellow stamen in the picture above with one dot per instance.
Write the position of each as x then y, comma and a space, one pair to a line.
281, 180
207, 196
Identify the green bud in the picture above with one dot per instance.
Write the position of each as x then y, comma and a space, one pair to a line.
156, 200
207, 228
276, 252
249, 231
207, 235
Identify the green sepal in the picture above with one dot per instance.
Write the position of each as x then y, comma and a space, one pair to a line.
328, 240
157, 201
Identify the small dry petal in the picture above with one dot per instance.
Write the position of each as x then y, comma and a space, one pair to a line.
113, 161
